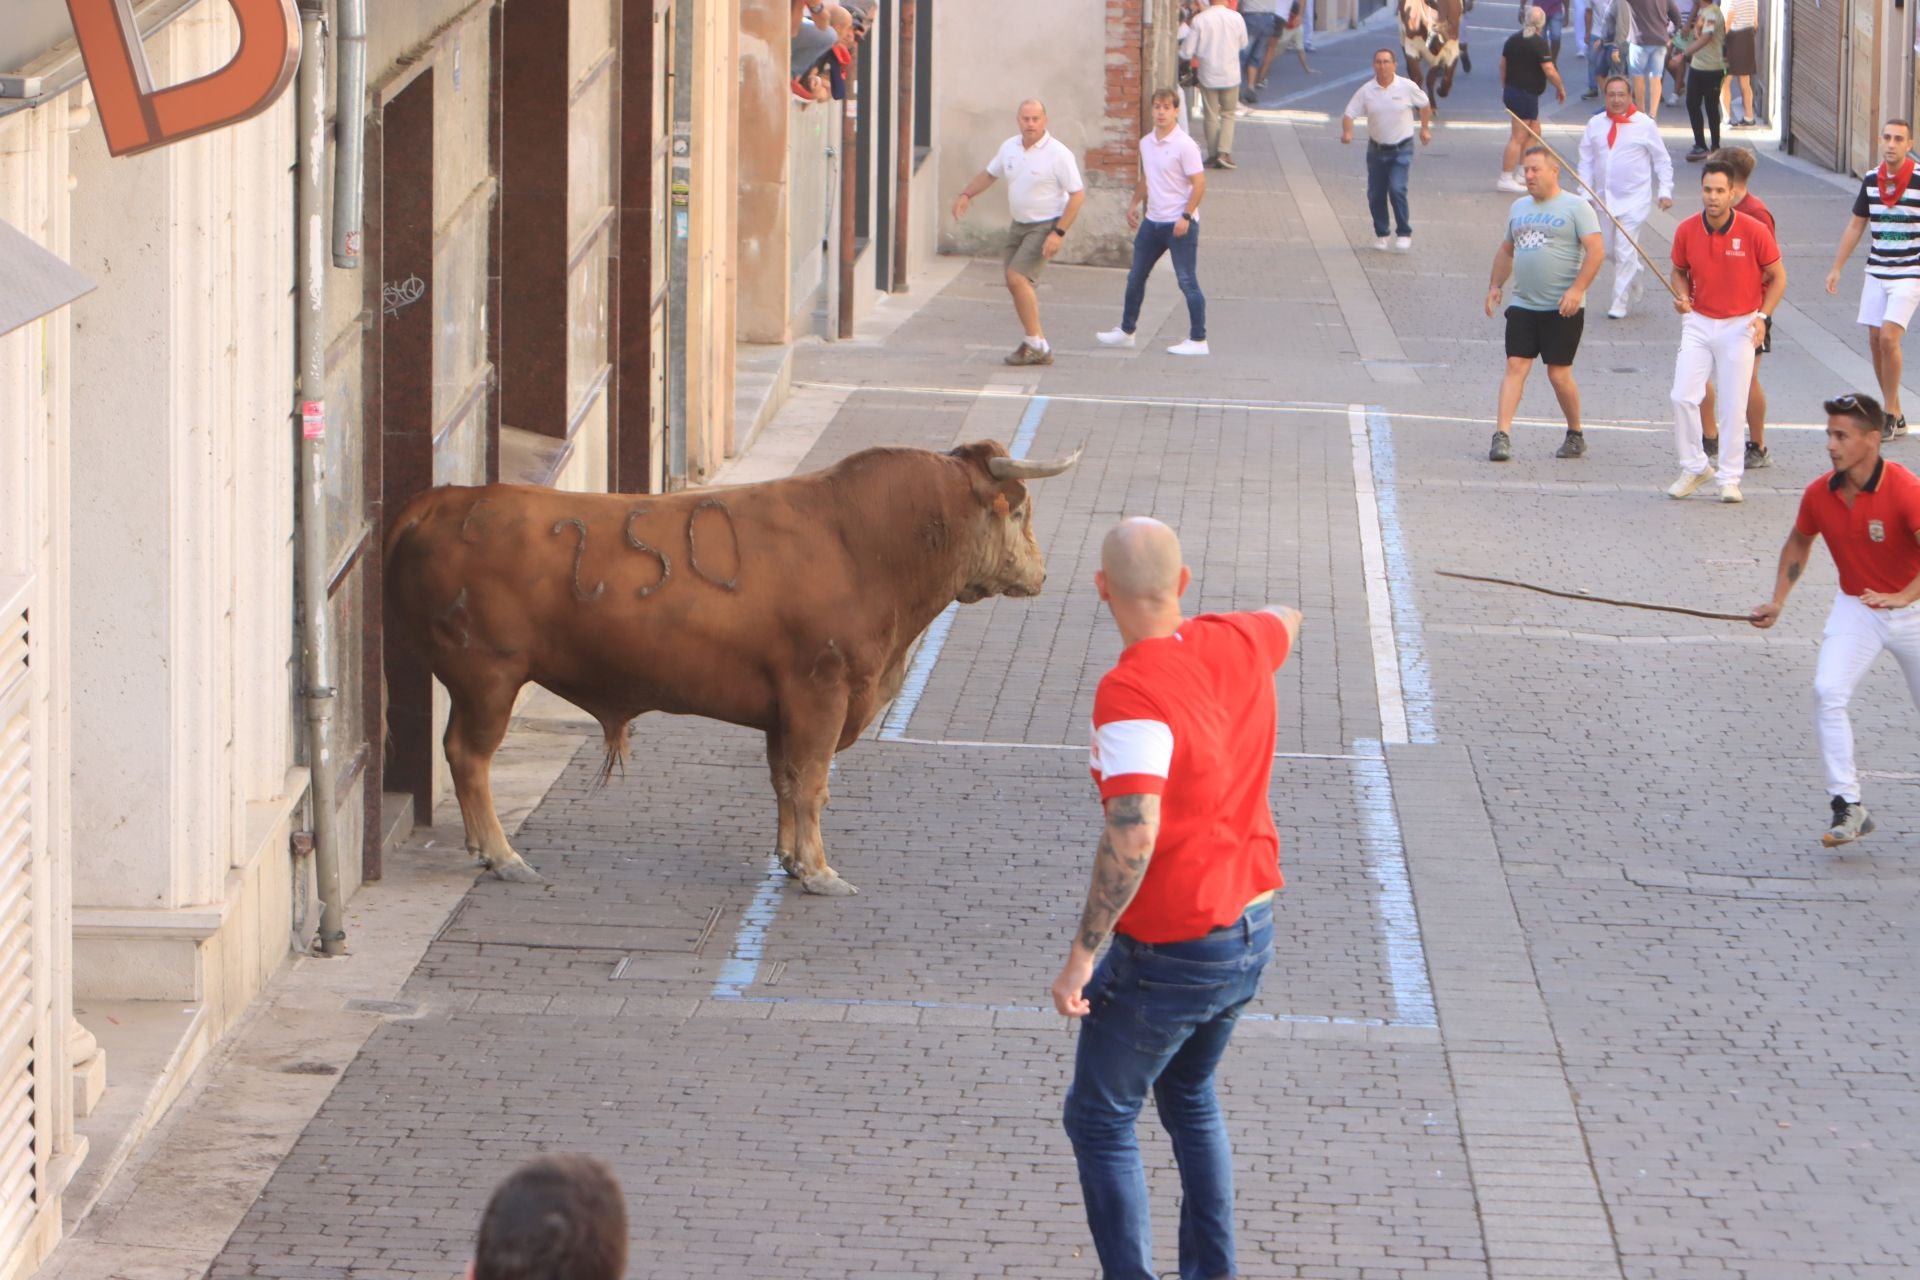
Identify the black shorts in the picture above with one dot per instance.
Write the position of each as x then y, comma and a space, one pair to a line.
1544, 335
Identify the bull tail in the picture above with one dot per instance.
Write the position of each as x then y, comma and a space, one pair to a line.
615, 733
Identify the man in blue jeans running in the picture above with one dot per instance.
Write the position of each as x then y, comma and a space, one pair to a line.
1388, 101
1183, 733
1172, 182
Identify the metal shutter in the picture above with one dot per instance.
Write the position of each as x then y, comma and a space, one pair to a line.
19, 1192
1815, 79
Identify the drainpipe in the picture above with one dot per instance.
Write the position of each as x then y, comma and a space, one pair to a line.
316, 641
907, 26
679, 197
849, 189
350, 129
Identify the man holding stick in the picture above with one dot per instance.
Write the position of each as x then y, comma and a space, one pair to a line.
1868, 510
1553, 251
1727, 279
1623, 160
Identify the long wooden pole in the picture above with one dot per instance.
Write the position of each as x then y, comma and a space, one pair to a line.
1595, 196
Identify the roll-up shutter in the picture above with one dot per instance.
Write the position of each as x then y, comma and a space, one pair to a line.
19, 1160
1815, 80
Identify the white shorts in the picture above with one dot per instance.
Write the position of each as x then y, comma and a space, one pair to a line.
1889, 302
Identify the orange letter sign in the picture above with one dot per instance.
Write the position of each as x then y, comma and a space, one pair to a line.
137, 117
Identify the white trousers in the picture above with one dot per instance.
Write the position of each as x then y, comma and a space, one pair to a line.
1855, 636
1626, 262
1721, 350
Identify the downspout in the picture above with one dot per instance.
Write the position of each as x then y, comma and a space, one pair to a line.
907, 26
350, 132
316, 640
679, 197
849, 190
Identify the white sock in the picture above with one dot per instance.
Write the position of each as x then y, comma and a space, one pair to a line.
1038, 344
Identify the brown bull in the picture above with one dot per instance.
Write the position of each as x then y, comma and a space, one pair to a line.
788, 607
1430, 32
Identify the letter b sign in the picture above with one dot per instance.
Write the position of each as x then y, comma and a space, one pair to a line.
137, 117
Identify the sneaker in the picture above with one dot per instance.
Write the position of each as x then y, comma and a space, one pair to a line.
1213, 162
1616, 312
1226, 161
1758, 456
1024, 354
1730, 492
1247, 95
1574, 446
1506, 183
1261, 83
1403, 243
1188, 348
1698, 154
1850, 822
1502, 450
1688, 482
1712, 446
1380, 243
1589, 95
1466, 61
1899, 427
1114, 338
1886, 428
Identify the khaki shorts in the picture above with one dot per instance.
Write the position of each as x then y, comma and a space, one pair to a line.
1291, 37
1025, 240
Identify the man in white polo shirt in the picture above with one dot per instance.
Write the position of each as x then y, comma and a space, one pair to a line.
1215, 36
1388, 101
1172, 181
1044, 195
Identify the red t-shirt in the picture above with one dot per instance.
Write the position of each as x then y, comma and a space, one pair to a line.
1725, 265
1190, 718
1873, 540
1754, 207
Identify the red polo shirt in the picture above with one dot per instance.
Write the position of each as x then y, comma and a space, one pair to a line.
1725, 265
1872, 541
1754, 207
1190, 718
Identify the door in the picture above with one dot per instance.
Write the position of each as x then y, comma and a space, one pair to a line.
1815, 79
22, 1020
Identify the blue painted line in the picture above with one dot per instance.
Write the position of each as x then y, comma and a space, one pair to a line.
1416, 680
741, 969
1386, 859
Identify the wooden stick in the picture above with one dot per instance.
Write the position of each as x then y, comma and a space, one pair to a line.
1576, 595
1595, 195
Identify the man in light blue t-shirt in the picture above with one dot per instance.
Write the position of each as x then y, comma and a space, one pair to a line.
1552, 250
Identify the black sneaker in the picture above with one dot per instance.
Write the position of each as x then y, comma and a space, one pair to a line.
1574, 446
1850, 822
1899, 427
1591, 94
1886, 428
1466, 61
1502, 450
1757, 456
1698, 154
1712, 445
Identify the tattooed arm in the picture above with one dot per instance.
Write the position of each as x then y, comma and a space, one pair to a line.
1126, 846
1793, 563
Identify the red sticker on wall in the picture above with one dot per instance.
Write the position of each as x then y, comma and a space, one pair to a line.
313, 419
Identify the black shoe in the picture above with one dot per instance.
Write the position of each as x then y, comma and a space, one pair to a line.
1466, 63
1247, 96
1502, 449
1712, 445
1757, 456
1574, 446
1899, 427
1591, 94
1886, 428
1698, 154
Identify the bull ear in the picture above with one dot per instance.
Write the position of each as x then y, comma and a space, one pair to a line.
1027, 469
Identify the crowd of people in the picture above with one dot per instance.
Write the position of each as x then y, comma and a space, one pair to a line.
825, 36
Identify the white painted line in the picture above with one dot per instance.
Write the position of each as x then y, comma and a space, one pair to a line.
1373, 562
1386, 858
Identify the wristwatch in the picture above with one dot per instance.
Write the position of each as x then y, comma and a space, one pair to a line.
1059, 230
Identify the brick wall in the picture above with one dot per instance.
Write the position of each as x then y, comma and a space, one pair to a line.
1116, 156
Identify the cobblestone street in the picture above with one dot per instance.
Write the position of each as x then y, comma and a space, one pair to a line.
1565, 984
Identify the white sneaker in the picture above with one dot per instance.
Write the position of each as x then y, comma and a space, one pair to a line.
1688, 482
1506, 183
1188, 348
1380, 243
1616, 312
1403, 243
1730, 492
1114, 338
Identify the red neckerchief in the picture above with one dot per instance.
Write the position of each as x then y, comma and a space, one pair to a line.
1894, 185
1613, 130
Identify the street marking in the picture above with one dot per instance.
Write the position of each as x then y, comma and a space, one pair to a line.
1373, 561
1393, 900
1393, 620
1070, 746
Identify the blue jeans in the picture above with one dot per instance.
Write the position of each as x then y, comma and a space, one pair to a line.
1149, 242
1556, 24
1387, 170
1261, 28
1162, 1015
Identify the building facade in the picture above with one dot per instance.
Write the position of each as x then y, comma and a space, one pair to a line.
1850, 65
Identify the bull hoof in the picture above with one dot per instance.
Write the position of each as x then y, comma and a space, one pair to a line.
828, 885
516, 872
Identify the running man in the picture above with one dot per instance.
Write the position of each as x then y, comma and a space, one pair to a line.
1727, 277
1889, 204
1868, 510
1623, 158
1553, 251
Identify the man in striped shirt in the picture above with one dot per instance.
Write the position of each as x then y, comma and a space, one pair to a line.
1889, 204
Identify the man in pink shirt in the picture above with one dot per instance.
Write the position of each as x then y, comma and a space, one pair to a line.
1172, 180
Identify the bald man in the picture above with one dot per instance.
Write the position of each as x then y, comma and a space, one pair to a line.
1183, 882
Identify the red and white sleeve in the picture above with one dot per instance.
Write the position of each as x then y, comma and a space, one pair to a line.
1132, 745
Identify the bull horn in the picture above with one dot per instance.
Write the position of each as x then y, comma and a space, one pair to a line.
1023, 469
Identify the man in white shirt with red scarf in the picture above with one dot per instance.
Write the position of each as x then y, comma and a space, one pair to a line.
1623, 158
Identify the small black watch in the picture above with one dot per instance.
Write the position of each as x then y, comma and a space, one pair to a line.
1059, 230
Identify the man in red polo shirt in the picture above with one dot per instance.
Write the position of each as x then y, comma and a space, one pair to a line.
1868, 510
1742, 159
1728, 276
1183, 730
